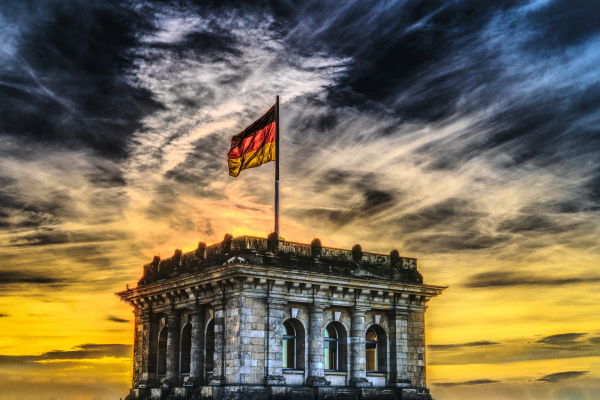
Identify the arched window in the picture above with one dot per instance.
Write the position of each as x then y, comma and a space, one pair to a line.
210, 347
376, 349
292, 344
186, 348
288, 345
162, 352
334, 348
371, 346
331, 348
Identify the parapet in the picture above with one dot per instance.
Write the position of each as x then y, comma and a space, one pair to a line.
275, 253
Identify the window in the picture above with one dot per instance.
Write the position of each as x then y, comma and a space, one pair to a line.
289, 345
376, 349
371, 346
292, 344
186, 348
162, 352
210, 347
331, 348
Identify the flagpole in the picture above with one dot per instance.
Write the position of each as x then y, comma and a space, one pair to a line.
277, 168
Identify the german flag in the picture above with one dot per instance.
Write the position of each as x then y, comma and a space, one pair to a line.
255, 145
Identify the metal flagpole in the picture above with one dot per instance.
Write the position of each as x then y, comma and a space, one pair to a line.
277, 167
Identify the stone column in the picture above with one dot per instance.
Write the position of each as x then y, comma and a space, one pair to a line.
196, 352
148, 330
358, 376
218, 377
316, 373
275, 310
399, 376
172, 375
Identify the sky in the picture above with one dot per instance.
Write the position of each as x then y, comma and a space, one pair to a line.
463, 133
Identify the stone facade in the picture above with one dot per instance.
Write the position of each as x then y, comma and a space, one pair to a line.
262, 318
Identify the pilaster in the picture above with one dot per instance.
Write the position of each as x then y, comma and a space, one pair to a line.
400, 376
275, 315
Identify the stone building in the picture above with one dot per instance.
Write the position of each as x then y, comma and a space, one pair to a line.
252, 318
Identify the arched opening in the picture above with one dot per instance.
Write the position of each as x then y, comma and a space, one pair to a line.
186, 348
376, 349
334, 349
210, 348
293, 344
161, 363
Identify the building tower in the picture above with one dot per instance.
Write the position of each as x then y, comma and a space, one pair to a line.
254, 318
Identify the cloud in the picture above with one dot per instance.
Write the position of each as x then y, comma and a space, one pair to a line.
48, 237
461, 345
84, 351
113, 318
467, 383
28, 277
511, 279
560, 376
66, 81
4, 315
557, 346
562, 339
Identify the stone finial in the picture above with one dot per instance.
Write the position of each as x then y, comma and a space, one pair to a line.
200, 251
316, 247
226, 243
272, 242
357, 253
177, 255
395, 259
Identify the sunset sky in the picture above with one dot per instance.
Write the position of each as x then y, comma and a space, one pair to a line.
464, 133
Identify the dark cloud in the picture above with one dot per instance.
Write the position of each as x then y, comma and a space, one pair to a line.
47, 237
454, 213
461, 345
529, 224
68, 85
4, 315
113, 318
84, 351
459, 241
562, 338
466, 383
28, 277
509, 278
594, 340
560, 376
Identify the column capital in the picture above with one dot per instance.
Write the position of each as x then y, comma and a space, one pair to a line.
317, 307
276, 302
360, 309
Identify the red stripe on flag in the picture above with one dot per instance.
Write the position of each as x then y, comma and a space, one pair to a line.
254, 142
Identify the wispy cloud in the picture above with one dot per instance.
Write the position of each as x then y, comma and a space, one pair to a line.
559, 376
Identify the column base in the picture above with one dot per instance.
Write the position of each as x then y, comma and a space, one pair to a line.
275, 380
193, 382
317, 381
360, 382
149, 383
402, 383
217, 380
169, 383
